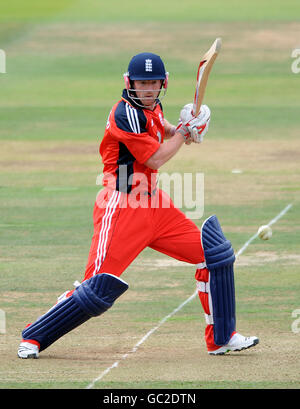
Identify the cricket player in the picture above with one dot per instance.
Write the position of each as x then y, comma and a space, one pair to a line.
132, 213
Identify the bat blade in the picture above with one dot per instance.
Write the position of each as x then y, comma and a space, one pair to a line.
204, 69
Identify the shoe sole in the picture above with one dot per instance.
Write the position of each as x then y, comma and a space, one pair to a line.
255, 342
29, 356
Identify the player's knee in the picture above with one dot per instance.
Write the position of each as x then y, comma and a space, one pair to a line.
91, 298
97, 294
217, 249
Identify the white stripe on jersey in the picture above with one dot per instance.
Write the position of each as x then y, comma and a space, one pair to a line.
133, 119
137, 120
129, 118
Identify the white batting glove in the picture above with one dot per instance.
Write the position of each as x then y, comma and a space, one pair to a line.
193, 128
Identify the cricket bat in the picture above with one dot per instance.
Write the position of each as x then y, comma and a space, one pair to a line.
204, 69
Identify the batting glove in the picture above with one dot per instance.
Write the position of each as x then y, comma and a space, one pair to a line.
193, 128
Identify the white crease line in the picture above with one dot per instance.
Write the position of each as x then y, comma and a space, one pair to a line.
141, 341
145, 337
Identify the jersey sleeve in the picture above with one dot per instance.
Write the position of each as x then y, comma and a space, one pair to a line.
130, 129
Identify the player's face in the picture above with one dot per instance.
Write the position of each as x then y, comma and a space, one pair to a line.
147, 91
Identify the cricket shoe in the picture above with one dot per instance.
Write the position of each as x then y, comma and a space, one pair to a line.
28, 350
236, 343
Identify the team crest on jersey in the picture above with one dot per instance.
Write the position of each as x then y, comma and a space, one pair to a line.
148, 65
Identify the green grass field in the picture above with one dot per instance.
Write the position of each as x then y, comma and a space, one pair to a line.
64, 66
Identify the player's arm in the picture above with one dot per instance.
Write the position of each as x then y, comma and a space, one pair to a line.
190, 129
166, 151
169, 129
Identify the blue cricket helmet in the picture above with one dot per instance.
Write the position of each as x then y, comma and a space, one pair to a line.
143, 67
146, 66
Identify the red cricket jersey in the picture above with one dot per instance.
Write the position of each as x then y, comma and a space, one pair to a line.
132, 135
